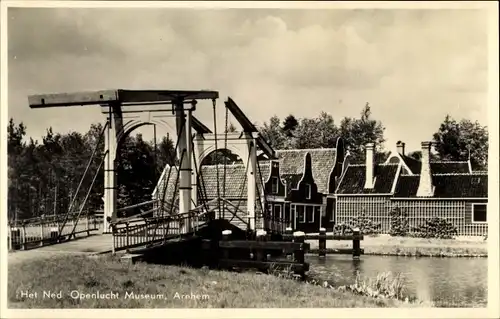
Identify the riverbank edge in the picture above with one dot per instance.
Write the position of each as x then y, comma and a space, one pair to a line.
333, 251
386, 245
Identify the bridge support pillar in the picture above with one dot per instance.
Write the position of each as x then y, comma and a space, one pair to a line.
251, 180
183, 125
114, 128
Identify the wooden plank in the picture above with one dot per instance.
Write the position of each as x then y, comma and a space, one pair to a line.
117, 95
335, 237
72, 99
263, 265
337, 251
144, 96
275, 245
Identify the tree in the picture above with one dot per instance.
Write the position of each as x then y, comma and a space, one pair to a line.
230, 128
358, 132
290, 123
319, 132
273, 133
136, 171
459, 141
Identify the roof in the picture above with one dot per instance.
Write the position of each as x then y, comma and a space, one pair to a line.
353, 180
448, 185
235, 182
437, 167
292, 164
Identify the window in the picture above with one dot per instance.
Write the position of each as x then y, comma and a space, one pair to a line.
308, 191
310, 214
277, 211
301, 216
479, 213
274, 186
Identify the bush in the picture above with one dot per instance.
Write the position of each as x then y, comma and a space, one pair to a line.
435, 228
366, 226
399, 222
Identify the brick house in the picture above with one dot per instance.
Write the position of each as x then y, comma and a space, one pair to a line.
294, 188
424, 189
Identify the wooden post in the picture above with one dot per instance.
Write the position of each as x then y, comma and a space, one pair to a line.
322, 242
10, 238
41, 233
288, 234
225, 237
298, 255
113, 239
23, 237
356, 250
126, 234
88, 224
260, 254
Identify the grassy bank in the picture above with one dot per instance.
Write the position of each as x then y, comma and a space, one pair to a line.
172, 286
415, 247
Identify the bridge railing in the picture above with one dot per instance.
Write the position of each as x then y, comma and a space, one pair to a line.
138, 231
274, 224
42, 231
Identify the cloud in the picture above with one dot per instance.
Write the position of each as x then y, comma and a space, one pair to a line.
413, 66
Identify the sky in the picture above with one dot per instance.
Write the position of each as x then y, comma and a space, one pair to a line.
412, 66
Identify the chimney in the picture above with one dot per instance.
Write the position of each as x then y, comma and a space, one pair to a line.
400, 147
425, 187
370, 163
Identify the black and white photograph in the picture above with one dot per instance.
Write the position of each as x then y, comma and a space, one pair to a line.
289, 157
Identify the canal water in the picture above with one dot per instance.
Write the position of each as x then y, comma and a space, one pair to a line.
448, 282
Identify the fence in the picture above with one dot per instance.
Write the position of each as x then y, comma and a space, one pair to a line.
261, 254
42, 231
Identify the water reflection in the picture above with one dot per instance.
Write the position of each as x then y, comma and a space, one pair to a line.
447, 281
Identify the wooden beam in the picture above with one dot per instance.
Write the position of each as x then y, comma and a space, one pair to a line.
133, 96
240, 116
72, 99
119, 95
199, 127
270, 245
248, 127
265, 147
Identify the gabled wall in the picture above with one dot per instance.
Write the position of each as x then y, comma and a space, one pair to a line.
299, 195
275, 175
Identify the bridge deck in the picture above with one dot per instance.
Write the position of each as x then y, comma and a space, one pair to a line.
83, 246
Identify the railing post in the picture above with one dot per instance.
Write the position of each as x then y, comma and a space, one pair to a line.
126, 234
23, 237
88, 224
41, 233
260, 254
10, 238
356, 251
299, 237
225, 237
113, 239
322, 242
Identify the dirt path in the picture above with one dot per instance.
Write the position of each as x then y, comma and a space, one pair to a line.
83, 246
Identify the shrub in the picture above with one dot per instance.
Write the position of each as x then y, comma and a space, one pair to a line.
385, 285
399, 222
435, 228
365, 225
